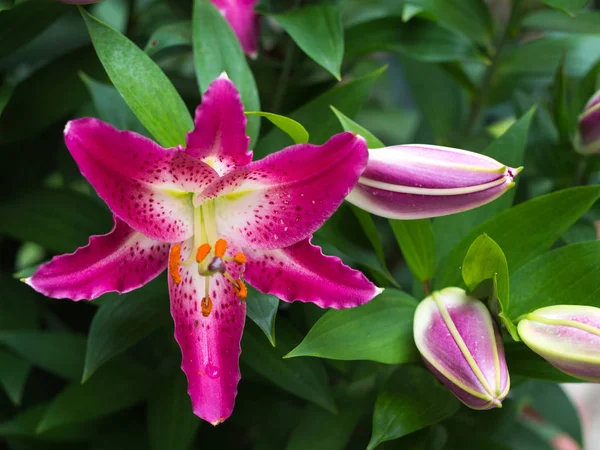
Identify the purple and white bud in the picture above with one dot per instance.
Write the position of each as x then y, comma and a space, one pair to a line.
420, 181
567, 336
588, 135
460, 343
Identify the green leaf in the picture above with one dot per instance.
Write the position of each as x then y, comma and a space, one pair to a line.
468, 17
115, 387
416, 241
417, 39
18, 307
560, 111
13, 375
523, 362
58, 352
566, 276
172, 35
26, 20
316, 115
508, 149
262, 309
380, 330
524, 231
123, 321
305, 378
172, 424
586, 22
581, 231
6, 90
410, 400
372, 233
350, 125
111, 107
141, 83
217, 50
58, 220
318, 32
294, 129
569, 7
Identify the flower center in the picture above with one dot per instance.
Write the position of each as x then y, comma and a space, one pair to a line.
209, 260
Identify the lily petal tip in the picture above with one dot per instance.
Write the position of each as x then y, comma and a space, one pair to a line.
67, 127
224, 76
378, 290
517, 171
27, 281
220, 420
253, 56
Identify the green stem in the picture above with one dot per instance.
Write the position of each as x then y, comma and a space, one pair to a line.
284, 77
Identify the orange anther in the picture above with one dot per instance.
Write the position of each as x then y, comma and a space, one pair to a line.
206, 305
239, 258
174, 262
240, 289
202, 252
220, 248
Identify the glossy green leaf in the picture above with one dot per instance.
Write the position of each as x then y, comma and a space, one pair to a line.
581, 231
411, 399
468, 17
172, 35
566, 276
586, 22
524, 231
172, 424
262, 309
304, 377
111, 107
316, 115
380, 330
416, 241
19, 309
115, 387
122, 321
417, 39
568, 6
560, 111
141, 83
350, 125
508, 149
23, 22
372, 233
13, 375
58, 220
46, 349
318, 32
523, 362
294, 129
217, 50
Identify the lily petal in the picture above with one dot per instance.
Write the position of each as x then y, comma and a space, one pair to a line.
209, 342
243, 21
219, 135
285, 197
302, 272
143, 183
120, 261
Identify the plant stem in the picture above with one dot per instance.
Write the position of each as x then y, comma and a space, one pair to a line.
284, 77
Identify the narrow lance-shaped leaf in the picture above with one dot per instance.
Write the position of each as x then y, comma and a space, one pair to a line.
318, 31
217, 50
13, 375
294, 129
171, 35
262, 309
143, 85
416, 241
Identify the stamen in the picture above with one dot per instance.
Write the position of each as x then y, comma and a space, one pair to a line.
240, 289
202, 252
220, 248
206, 306
239, 258
174, 262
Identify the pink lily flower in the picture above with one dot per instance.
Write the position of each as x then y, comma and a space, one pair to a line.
243, 21
215, 218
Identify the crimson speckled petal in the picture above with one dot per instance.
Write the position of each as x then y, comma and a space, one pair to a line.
285, 197
219, 135
209, 337
302, 272
142, 183
461, 344
567, 336
421, 181
119, 261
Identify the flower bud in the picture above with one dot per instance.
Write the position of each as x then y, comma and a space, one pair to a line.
421, 181
567, 336
588, 135
462, 346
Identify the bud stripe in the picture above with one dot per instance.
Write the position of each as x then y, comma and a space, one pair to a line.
427, 191
565, 322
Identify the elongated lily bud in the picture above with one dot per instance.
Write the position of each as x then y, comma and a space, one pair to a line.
568, 337
462, 346
420, 181
588, 136
243, 21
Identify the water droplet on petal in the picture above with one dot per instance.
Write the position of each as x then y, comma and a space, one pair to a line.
211, 371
